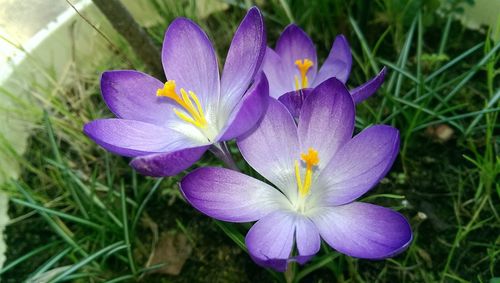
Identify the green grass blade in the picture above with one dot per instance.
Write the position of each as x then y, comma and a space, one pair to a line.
469, 76
69, 217
85, 261
54, 224
455, 61
126, 232
50, 263
27, 256
145, 202
476, 120
319, 263
232, 233
364, 45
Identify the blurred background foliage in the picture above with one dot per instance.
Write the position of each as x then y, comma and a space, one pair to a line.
81, 214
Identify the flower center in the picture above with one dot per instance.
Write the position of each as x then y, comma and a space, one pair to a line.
185, 100
303, 65
311, 159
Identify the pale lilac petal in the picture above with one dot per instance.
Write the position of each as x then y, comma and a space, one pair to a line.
272, 148
244, 59
337, 64
231, 196
307, 239
280, 78
189, 58
248, 111
132, 95
326, 121
294, 44
363, 230
133, 138
168, 163
294, 100
359, 165
270, 240
367, 89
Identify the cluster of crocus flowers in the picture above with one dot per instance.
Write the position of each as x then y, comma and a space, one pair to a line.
316, 170
293, 124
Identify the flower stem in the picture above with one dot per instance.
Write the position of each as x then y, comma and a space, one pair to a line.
222, 152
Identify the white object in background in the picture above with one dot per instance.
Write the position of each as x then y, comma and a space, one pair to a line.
4, 218
46, 41
52, 36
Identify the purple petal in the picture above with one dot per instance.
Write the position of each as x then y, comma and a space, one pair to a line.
363, 230
367, 89
133, 138
338, 64
248, 111
231, 196
294, 44
326, 121
359, 165
132, 95
293, 100
272, 148
270, 240
307, 239
168, 163
244, 58
280, 78
189, 58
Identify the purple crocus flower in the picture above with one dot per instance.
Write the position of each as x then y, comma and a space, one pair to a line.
167, 127
292, 69
317, 170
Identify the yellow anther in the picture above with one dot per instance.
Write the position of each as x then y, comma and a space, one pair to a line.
197, 102
197, 117
311, 159
303, 66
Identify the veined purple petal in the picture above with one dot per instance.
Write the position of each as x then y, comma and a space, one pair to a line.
189, 58
294, 100
280, 78
363, 230
307, 239
367, 89
133, 138
248, 111
244, 59
231, 196
132, 95
294, 44
272, 148
326, 121
359, 165
338, 63
168, 163
270, 240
